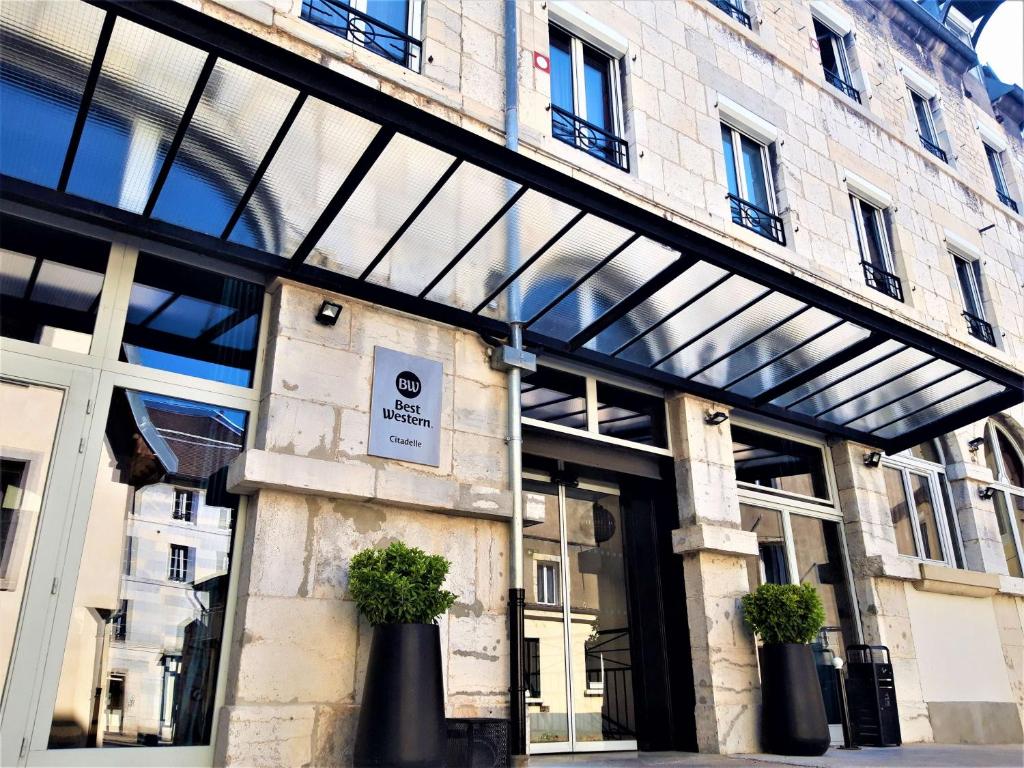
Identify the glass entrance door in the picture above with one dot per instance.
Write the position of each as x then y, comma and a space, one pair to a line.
579, 662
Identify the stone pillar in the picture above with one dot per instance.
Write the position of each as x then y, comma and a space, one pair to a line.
714, 548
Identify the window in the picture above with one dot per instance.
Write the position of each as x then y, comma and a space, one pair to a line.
532, 656
968, 275
1006, 461
875, 249
751, 192
735, 9
14, 474
960, 26
184, 505
771, 462
585, 108
834, 59
924, 112
381, 26
995, 164
129, 554
547, 583
181, 561
769, 566
119, 623
920, 506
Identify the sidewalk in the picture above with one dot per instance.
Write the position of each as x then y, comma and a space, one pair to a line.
912, 756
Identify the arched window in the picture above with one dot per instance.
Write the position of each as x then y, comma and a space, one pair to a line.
1004, 458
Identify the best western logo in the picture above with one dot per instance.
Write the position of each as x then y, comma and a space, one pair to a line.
408, 385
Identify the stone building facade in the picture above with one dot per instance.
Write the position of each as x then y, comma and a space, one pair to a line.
909, 147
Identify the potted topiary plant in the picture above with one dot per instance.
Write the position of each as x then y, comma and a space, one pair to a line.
787, 617
401, 722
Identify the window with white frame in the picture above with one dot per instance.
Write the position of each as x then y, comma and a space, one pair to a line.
835, 58
184, 505
875, 248
748, 173
547, 583
995, 164
181, 563
586, 105
920, 505
119, 622
960, 26
925, 112
968, 277
389, 28
129, 555
1006, 460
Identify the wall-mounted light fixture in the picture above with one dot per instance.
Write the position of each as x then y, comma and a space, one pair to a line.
328, 313
975, 444
714, 418
872, 458
986, 492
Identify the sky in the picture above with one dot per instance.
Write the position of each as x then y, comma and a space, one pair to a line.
1002, 42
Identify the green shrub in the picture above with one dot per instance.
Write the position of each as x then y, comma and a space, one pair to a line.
399, 585
784, 613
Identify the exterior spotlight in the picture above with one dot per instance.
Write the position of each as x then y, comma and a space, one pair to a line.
872, 458
986, 492
975, 444
328, 313
714, 418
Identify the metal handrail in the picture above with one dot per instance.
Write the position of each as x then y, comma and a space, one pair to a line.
880, 280
592, 139
1008, 201
765, 223
362, 29
736, 12
935, 149
979, 328
835, 80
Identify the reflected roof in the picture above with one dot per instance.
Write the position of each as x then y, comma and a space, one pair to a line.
158, 120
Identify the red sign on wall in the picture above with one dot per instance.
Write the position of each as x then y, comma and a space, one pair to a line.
541, 62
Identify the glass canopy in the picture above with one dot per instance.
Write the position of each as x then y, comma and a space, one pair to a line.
166, 122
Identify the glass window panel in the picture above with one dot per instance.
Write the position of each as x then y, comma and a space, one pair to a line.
927, 396
630, 415
899, 511
616, 280
968, 276
952, 522
769, 566
146, 81
995, 164
953, 404
47, 50
167, 649
51, 282
777, 463
828, 43
927, 521
314, 159
556, 397
839, 373
873, 230
1003, 501
596, 87
394, 13
1012, 462
238, 116
387, 196
926, 451
753, 160
922, 111
468, 200
28, 428
561, 70
531, 222
207, 326
732, 178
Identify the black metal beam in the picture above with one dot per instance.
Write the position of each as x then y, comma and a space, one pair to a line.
179, 133
216, 330
848, 375
420, 207
904, 396
352, 181
961, 418
878, 386
102, 42
261, 169
830, 363
513, 199
153, 315
932, 404
785, 353
752, 340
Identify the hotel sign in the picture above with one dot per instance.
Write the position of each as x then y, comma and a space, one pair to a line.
405, 410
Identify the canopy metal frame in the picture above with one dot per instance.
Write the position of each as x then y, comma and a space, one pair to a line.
926, 418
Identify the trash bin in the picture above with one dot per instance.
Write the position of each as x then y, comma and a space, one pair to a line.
871, 694
477, 742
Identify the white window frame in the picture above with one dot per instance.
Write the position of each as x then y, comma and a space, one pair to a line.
741, 177
837, 39
413, 28
542, 586
179, 566
184, 497
577, 41
883, 227
1002, 483
994, 158
960, 26
974, 267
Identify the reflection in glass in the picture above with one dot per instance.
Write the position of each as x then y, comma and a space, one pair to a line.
50, 283
28, 425
191, 321
770, 566
924, 505
1003, 516
770, 461
899, 511
555, 397
141, 659
630, 415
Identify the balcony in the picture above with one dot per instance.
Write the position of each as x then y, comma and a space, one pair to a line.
592, 139
1008, 201
836, 81
364, 30
757, 219
736, 12
980, 329
882, 281
935, 149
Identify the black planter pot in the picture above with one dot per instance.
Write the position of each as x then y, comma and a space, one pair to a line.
401, 722
793, 711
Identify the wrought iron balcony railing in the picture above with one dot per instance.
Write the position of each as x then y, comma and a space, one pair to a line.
757, 219
345, 21
733, 10
592, 139
935, 149
1008, 201
882, 281
980, 329
836, 81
